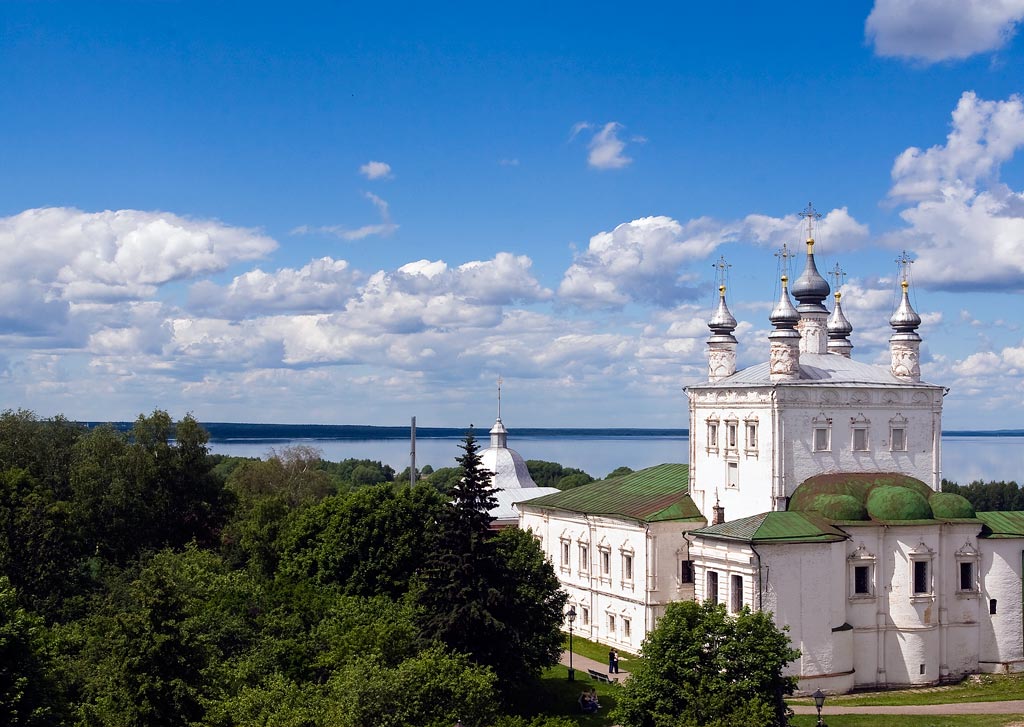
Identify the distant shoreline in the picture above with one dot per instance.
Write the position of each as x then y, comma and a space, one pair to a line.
243, 432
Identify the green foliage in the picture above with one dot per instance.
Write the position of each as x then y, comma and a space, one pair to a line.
367, 542
433, 689
702, 667
988, 496
444, 479
41, 447
552, 474
28, 694
353, 473
493, 598
619, 472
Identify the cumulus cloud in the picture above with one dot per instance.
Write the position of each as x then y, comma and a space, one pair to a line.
53, 258
964, 225
937, 30
985, 134
384, 228
607, 150
376, 170
647, 260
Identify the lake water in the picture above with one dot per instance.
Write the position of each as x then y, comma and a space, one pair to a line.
964, 458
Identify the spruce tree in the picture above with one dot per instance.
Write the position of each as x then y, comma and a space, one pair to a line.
458, 593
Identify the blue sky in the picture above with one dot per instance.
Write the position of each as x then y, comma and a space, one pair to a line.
356, 214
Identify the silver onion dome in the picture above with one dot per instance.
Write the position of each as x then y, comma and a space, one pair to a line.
722, 323
838, 325
784, 315
810, 289
905, 319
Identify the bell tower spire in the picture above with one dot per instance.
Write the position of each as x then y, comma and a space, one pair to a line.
905, 342
839, 328
722, 343
810, 290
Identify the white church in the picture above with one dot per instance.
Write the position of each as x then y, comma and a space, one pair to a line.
812, 493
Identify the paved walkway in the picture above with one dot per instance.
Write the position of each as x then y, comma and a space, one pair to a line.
1015, 706
581, 663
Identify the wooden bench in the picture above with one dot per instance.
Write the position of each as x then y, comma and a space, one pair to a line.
600, 676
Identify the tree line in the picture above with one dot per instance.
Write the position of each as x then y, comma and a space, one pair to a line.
144, 581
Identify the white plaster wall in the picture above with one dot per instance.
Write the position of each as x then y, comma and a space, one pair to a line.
921, 409
656, 551
1001, 634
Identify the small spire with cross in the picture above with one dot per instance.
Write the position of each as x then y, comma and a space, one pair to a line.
500, 382
721, 271
783, 254
812, 216
903, 263
838, 275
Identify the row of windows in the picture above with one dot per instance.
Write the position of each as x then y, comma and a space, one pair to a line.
613, 623
735, 590
604, 557
860, 434
921, 577
731, 432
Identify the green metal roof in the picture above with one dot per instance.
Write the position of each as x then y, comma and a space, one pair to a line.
650, 495
776, 527
1002, 524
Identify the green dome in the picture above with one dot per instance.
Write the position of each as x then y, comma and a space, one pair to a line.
890, 502
840, 507
948, 505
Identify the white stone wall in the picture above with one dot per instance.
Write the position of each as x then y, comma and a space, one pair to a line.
748, 480
1001, 633
613, 608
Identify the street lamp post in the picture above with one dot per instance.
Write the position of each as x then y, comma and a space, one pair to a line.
572, 617
819, 701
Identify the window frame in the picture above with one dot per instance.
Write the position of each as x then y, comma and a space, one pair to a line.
921, 563
732, 475
735, 593
712, 592
860, 425
564, 561
968, 557
750, 430
687, 572
898, 424
732, 435
584, 557
861, 559
712, 434
821, 423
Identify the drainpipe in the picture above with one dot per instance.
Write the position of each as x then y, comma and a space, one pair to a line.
881, 617
760, 591
943, 616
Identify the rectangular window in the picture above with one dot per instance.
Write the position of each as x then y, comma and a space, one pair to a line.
585, 615
898, 439
751, 435
921, 577
627, 567
736, 594
611, 624
733, 471
712, 586
606, 562
686, 571
565, 553
713, 436
732, 435
860, 439
584, 558
862, 580
626, 629
821, 439
967, 576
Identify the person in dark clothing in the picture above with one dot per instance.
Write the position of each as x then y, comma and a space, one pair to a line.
611, 661
615, 661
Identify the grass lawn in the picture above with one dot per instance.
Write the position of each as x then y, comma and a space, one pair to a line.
976, 688
596, 651
556, 695
906, 720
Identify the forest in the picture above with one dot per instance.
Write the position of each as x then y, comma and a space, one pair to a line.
144, 581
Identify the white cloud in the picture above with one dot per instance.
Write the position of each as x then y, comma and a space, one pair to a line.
985, 134
936, 30
384, 228
964, 226
320, 286
607, 150
376, 170
53, 258
647, 260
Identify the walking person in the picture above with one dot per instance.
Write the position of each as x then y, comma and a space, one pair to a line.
611, 661
615, 661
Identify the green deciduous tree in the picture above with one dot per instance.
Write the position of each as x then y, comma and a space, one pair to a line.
701, 667
28, 693
367, 542
987, 496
